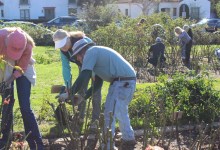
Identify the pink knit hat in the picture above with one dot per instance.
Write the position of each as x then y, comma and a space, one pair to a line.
16, 44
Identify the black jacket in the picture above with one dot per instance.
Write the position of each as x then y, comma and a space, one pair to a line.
158, 50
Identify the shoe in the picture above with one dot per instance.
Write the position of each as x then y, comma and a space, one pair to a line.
91, 144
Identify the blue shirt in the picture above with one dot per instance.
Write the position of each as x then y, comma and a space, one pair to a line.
107, 63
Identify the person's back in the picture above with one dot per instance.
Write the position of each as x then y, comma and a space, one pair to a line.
107, 63
157, 51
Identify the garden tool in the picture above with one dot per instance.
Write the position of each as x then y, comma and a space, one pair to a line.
57, 88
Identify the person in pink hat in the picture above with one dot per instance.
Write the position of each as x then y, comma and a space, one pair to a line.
16, 46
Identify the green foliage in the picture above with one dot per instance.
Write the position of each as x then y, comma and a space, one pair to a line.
132, 40
190, 93
99, 16
46, 112
217, 8
46, 56
40, 35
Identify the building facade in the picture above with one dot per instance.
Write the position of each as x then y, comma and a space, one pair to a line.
49, 9
195, 9
36, 9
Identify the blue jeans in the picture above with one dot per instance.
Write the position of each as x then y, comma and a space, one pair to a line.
30, 124
120, 94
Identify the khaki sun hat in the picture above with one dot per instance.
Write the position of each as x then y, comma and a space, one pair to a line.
60, 38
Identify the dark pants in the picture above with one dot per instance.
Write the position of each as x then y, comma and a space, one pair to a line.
30, 123
155, 62
188, 50
96, 105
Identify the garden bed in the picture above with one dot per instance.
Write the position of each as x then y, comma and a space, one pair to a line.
189, 137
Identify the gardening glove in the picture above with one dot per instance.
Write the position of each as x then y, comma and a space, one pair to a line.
62, 97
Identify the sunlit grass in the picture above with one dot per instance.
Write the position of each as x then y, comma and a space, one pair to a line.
217, 84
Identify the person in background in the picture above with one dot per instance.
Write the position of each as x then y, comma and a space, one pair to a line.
110, 66
157, 51
141, 21
188, 45
64, 41
185, 44
16, 46
188, 30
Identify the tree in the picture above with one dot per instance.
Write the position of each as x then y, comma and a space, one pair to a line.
214, 8
217, 8
146, 5
93, 2
97, 16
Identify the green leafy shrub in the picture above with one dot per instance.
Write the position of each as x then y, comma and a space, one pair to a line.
190, 93
41, 35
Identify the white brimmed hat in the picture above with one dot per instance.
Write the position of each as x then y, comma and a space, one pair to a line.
79, 45
60, 38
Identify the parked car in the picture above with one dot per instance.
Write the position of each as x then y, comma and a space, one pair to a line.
43, 36
208, 24
81, 25
217, 26
4, 20
60, 21
31, 24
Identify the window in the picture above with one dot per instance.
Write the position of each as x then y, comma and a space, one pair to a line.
167, 10
72, 11
195, 12
25, 14
126, 12
49, 12
67, 20
72, 1
2, 13
174, 12
24, 2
